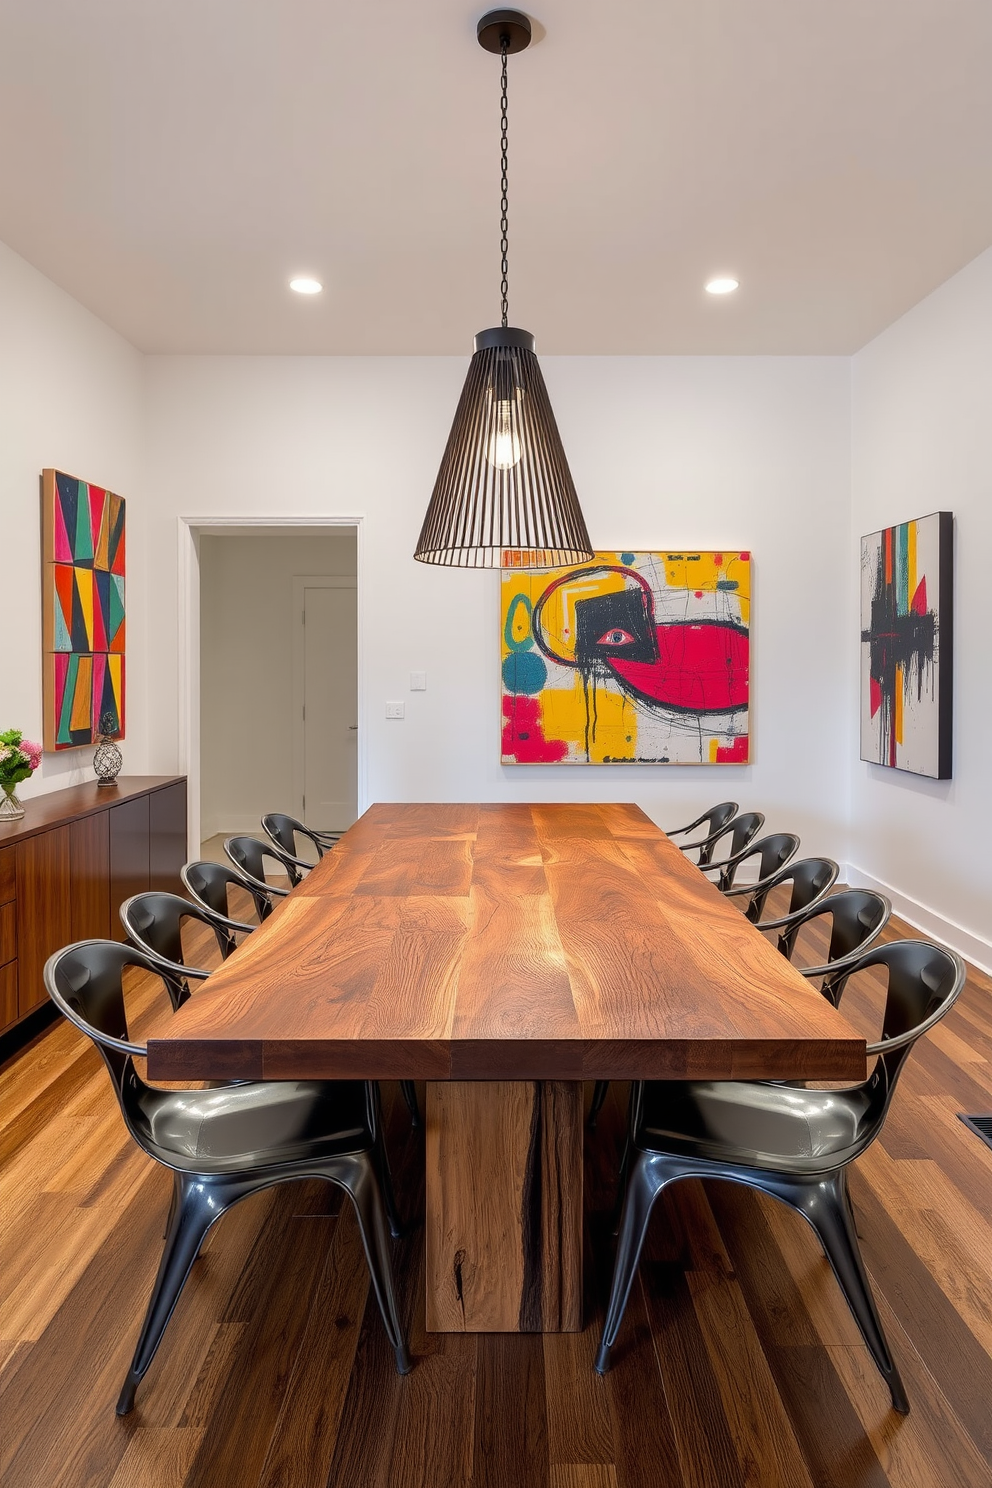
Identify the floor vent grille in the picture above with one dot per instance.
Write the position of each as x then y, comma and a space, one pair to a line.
980, 1125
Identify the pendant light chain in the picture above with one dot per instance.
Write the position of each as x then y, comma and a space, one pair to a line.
504, 211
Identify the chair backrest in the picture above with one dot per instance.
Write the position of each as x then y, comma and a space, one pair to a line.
741, 832
715, 818
153, 922
811, 879
772, 853
924, 982
248, 854
86, 982
284, 830
857, 918
209, 882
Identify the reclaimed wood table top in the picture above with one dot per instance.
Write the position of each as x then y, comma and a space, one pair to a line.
503, 942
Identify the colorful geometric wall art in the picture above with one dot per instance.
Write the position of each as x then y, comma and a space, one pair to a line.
907, 579
632, 658
83, 629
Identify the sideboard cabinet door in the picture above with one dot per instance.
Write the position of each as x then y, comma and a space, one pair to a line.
167, 841
128, 856
44, 918
89, 863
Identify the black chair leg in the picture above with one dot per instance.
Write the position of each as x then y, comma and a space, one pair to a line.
645, 1181
827, 1207
385, 1178
363, 1190
598, 1097
196, 1206
409, 1090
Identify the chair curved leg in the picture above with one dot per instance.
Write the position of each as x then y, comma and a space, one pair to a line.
385, 1177
409, 1091
598, 1097
362, 1188
196, 1206
826, 1205
645, 1180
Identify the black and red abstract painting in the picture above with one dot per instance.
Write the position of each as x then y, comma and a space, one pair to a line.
632, 658
906, 639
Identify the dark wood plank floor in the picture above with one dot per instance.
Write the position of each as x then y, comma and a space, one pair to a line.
738, 1362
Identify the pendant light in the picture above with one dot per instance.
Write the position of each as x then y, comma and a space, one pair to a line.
504, 495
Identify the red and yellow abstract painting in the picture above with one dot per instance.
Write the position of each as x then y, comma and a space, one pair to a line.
83, 536
632, 658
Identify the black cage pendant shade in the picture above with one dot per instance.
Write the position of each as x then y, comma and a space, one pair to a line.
504, 495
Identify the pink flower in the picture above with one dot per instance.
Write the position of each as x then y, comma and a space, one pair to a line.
33, 752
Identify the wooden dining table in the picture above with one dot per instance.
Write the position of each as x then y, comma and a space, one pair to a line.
506, 954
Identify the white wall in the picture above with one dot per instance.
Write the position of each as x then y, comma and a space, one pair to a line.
70, 397
247, 635
708, 452
922, 442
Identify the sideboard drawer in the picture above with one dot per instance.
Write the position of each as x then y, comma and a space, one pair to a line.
7, 876
8, 933
8, 994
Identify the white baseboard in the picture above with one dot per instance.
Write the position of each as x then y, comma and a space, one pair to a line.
974, 948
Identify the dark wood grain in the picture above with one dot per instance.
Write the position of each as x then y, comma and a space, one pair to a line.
504, 1206
167, 837
89, 865
58, 808
8, 993
8, 875
43, 910
129, 856
514, 942
8, 932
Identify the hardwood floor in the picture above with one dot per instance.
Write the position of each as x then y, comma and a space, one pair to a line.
738, 1362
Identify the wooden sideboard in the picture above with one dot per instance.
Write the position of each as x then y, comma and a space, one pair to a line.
67, 865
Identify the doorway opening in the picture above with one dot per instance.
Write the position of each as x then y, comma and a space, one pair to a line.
272, 688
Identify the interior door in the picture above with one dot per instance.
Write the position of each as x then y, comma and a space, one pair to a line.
330, 705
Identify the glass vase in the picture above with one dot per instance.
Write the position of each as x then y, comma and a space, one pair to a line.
10, 807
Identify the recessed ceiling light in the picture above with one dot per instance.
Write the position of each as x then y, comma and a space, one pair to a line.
721, 286
306, 286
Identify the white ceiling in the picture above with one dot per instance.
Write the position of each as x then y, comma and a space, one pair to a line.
171, 163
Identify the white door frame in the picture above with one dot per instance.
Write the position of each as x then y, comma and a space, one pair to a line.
302, 582
190, 530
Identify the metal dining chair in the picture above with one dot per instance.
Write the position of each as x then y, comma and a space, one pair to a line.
223, 1145
283, 831
793, 1143
742, 831
811, 880
153, 921
716, 818
248, 854
208, 883
771, 854
858, 917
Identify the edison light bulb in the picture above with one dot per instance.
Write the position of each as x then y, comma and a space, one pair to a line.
503, 450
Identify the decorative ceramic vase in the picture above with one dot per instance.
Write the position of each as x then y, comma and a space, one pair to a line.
107, 761
10, 807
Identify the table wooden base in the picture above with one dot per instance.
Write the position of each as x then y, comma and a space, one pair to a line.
504, 1206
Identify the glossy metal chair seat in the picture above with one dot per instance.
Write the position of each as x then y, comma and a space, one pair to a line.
208, 883
224, 1144
788, 1141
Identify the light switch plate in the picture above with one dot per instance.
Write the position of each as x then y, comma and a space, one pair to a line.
395, 710
418, 681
